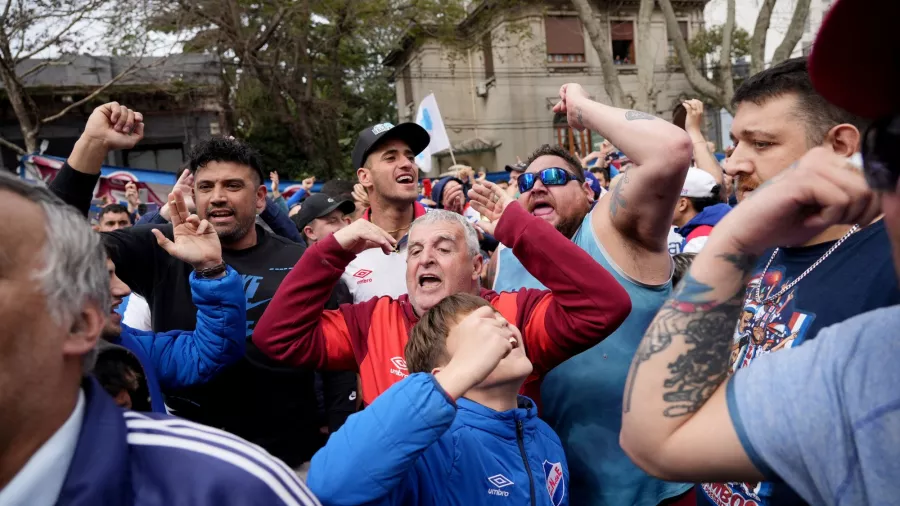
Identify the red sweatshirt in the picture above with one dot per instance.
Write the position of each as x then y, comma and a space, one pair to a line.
583, 306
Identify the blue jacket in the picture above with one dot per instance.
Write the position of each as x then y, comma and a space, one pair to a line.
413, 446
178, 358
709, 216
125, 458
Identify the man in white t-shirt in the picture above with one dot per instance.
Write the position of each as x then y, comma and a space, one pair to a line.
385, 159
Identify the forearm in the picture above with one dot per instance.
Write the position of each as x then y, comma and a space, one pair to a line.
279, 222
645, 138
684, 359
703, 159
289, 330
88, 155
75, 188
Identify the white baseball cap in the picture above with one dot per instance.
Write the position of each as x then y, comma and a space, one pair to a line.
698, 184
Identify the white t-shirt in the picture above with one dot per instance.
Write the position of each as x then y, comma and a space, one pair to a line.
374, 274
674, 241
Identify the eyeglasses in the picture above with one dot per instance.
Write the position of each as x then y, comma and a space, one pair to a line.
554, 176
881, 154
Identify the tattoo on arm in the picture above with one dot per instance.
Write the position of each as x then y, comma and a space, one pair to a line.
580, 116
616, 199
707, 327
635, 115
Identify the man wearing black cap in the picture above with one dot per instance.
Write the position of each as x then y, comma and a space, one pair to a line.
384, 156
322, 215
515, 170
822, 416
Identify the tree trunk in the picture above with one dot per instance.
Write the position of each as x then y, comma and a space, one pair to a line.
758, 41
725, 62
22, 106
794, 32
646, 56
701, 84
597, 25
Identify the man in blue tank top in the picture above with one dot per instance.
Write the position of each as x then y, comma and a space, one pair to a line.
626, 232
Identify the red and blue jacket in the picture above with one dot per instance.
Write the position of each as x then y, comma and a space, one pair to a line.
584, 304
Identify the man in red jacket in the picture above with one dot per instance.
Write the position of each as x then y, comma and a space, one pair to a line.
583, 305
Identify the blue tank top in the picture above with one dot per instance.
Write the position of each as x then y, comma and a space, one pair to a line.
582, 397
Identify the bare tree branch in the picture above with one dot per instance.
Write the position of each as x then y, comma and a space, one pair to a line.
597, 26
13, 146
697, 80
39, 67
793, 34
50, 41
283, 15
758, 41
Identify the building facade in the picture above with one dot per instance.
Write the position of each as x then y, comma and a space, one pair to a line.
498, 93
180, 97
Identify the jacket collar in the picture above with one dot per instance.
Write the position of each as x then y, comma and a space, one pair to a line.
499, 423
100, 470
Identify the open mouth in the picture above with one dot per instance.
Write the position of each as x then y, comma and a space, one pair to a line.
220, 215
405, 179
542, 209
429, 281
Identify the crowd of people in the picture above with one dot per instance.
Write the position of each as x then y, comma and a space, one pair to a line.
458, 341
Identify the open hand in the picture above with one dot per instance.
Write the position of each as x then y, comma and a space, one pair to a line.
362, 235
185, 185
360, 196
489, 200
483, 339
273, 176
196, 241
694, 119
115, 125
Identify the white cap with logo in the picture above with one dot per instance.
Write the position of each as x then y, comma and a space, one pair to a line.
698, 184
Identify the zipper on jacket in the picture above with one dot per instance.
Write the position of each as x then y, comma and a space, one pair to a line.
520, 438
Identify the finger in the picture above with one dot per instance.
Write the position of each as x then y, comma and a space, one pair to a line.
193, 220
129, 122
180, 204
113, 108
138, 117
123, 117
205, 228
183, 176
163, 241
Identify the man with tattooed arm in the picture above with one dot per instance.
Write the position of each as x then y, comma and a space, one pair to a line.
824, 416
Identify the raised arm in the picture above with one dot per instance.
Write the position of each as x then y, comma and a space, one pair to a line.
676, 423
641, 205
584, 303
296, 328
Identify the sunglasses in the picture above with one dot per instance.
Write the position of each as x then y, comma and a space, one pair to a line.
881, 154
554, 176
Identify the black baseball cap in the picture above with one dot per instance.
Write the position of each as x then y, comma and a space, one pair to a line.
319, 205
412, 134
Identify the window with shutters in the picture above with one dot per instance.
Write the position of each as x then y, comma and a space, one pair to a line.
407, 85
683, 28
622, 42
577, 143
565, 39
488, 56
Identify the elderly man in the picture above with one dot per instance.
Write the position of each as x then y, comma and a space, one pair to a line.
583, 305
62, 439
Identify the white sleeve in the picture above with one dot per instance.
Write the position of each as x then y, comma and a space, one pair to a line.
137, 313
695, 244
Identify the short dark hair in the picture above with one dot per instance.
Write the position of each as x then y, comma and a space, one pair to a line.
683, 262
792, 76
548, 150
427, 344
224, 149
601, 170
113, 208
701, 203
338, 188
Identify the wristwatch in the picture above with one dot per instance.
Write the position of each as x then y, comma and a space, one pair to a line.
210, 272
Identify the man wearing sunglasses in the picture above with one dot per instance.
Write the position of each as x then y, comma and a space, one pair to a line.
823, 416
626, 232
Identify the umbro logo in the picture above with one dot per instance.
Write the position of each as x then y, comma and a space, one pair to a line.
362, 273
499, 481
399, 368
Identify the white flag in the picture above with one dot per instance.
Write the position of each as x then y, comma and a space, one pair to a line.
429, 118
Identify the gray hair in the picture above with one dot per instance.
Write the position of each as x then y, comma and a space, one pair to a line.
444, 216
74, 261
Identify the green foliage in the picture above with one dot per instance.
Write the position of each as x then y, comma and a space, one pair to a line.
708, 43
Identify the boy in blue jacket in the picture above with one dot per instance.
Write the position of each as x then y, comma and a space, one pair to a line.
454, 432
178, 359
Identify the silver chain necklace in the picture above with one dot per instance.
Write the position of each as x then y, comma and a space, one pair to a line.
796, 280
